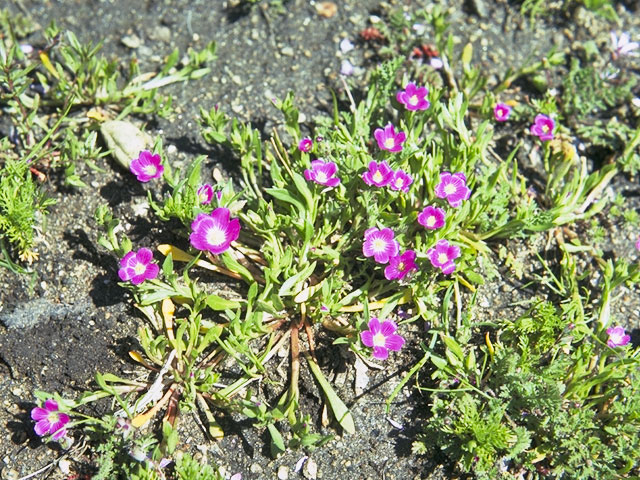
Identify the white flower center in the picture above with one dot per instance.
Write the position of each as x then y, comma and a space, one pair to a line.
377, 177
321, 177
379, 340
431, 221
450, 189
545, 128
389, 142
150, 170
399, 183
443, 258
139, 268
216, 236
379, 245
413, 100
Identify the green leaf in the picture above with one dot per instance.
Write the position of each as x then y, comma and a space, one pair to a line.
285, 196
339, 409
303, 188
453, 346
215, 136
294, 284
170, 437
167, 265
439, 362
212, 334
453, 360
474, 277
215, 302
470, 362
277, 443
75, 181
233, 265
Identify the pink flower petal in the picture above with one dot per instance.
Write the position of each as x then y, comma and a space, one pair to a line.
394, 342
58, 434
388, 328
374, 325
39, 413
367, 338
42, 427
380, 353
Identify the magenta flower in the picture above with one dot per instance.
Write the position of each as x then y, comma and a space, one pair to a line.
543, 127
388, 139
453, 187
305, 145
382, 337
399, 266
138, 267
400, 181
147, 166
49, 420
205, 194
214, 232
380, 244
431, 217
501, 112
414, 98
379, 174
322, 173
443, 255
617, 337
638, 244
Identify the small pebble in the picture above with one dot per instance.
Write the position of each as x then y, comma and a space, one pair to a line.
310, 469
326, 9
131, 41
161, 34
283, 472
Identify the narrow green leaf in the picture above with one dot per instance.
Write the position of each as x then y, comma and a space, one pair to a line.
303, 188
339, 409
215, 302
294, 284
167, 265
285, 196
233, 265
277, 442
453, 346
439, 362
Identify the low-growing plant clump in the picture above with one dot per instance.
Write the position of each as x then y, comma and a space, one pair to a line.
394, 212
